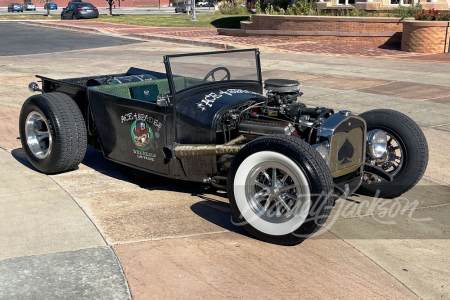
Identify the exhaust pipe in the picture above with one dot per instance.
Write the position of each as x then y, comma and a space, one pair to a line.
183, 151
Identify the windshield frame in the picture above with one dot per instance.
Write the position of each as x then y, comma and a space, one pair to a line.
208, 85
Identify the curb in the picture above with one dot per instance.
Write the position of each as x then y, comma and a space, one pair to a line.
180, 41
141, 36
63, 26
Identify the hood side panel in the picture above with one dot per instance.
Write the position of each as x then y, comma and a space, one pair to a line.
197, 114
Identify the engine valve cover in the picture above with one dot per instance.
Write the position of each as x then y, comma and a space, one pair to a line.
282, 85
258, 127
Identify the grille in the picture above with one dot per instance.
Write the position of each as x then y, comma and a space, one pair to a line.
347, 147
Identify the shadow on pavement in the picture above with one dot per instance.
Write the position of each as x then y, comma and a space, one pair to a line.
229, 22
218, 213
211, 209
391, 47
19, 155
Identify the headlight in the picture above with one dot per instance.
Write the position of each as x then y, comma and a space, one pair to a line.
323, 149
376, 143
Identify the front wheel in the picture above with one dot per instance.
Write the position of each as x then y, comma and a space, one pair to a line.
52, 132
280, 189
407, 153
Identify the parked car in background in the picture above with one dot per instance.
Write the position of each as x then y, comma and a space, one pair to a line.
51, 5
15, 7
79, 10
183, 8
29, 6
201, 3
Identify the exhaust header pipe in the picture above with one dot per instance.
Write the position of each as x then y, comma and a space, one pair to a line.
183, 151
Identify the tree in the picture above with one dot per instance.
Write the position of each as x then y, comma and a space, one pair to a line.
110, 3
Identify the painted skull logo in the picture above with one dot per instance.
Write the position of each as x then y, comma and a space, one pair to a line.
142, 136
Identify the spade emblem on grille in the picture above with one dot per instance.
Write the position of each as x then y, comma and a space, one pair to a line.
346, 152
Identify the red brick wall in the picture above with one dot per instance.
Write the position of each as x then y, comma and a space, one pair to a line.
313, 23
425, 37
336, 29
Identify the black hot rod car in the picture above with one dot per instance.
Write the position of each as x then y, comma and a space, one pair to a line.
205, 119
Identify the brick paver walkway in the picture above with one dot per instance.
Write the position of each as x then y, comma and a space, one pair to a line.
210, 35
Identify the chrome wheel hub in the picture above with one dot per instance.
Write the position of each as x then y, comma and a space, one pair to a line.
38, 136
273, 192
392, 160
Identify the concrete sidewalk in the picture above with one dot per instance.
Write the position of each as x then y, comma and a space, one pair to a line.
50, 249
177, 241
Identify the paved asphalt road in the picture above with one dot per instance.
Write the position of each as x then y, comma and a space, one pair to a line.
122, 11
177, 241
20, 39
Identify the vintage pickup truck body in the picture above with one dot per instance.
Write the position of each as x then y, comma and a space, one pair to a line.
110, 110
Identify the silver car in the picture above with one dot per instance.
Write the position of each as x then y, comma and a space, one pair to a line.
29, 6
183, 8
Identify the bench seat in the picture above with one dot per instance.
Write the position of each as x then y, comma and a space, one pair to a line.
126, 89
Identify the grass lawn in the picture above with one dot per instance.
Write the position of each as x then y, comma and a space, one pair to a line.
28, 17
181, 20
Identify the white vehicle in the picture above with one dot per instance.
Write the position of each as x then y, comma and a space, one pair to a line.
29, 6
201, 3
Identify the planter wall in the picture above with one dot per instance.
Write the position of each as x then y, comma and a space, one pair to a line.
379, 31
425, 36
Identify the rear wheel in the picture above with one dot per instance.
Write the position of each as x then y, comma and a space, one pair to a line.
52, 132
280, 189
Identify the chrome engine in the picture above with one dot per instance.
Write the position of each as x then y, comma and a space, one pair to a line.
340, 138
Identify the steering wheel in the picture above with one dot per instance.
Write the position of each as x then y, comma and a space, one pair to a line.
211, 73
